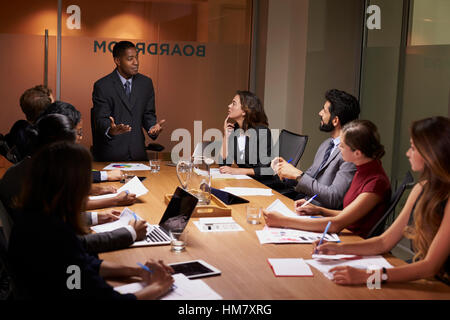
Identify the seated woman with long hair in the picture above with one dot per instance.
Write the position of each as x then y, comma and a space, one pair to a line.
247, 139
429, 206
44, 251
367, 197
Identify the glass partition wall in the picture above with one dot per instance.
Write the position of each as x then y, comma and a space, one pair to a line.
405, 77
197, 53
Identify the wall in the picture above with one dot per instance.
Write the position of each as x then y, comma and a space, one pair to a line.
332, 61
188, 88
285, 63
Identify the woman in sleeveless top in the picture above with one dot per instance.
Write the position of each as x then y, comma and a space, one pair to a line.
428, 154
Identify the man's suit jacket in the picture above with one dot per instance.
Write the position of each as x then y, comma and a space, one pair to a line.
332, 181
109, 100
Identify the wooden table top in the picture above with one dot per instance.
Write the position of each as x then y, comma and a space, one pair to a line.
246, 273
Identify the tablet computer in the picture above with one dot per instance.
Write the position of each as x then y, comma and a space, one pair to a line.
228, 198
195, 269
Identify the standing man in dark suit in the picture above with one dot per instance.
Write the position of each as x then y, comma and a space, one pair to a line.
124, 102
329, 176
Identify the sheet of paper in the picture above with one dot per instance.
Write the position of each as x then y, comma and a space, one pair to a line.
184, 289
290, 267
134, 186
280, 207
125, 216
283, 235
220, 224
127, 166
249, 191
335, 257
215, 174
325, 266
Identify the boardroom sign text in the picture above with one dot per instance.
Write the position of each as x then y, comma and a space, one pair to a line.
160, 49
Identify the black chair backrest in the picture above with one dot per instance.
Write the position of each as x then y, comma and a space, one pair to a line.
6, 222
6, 285
380, 225
292, 146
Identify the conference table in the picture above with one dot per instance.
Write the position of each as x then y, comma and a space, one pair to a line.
243, 261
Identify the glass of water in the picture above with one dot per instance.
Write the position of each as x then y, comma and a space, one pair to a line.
178, 240
155, 165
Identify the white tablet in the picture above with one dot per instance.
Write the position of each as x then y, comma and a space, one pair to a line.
195, 269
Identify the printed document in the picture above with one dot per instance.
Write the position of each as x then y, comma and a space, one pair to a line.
127, 167
184, 289
325, 266
248, 191
284, 235
215, 174
219, 224
133, 186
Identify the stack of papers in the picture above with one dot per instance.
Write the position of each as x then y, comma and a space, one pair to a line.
282, 235
290, 268
125, 216
184, 289
249, 191
127, 167
335, 257
133, 186
217, 224
215, 174
325, 266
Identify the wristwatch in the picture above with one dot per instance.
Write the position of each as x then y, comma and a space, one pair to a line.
300, 176
384, 276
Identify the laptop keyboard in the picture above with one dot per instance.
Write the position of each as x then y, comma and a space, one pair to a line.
156, 235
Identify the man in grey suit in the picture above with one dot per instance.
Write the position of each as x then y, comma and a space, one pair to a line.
123, 103
329, 176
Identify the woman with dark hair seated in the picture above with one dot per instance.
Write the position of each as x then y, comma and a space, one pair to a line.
247, 139
47, 259
367, 197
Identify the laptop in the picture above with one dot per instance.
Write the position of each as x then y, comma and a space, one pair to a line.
176, 216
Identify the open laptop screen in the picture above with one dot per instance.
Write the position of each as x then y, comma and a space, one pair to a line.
178, 211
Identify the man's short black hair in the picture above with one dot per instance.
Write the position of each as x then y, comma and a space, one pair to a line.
120, 47
342, 105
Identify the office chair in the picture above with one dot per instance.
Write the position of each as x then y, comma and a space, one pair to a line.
379, 227
291, 148
155, 147
5, 276
6, 222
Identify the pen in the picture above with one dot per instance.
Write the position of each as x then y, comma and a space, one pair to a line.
289, 161
323, 235
144, 267
150, 270
309, 201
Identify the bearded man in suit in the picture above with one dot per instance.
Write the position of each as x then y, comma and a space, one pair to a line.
123, 103
329, 176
